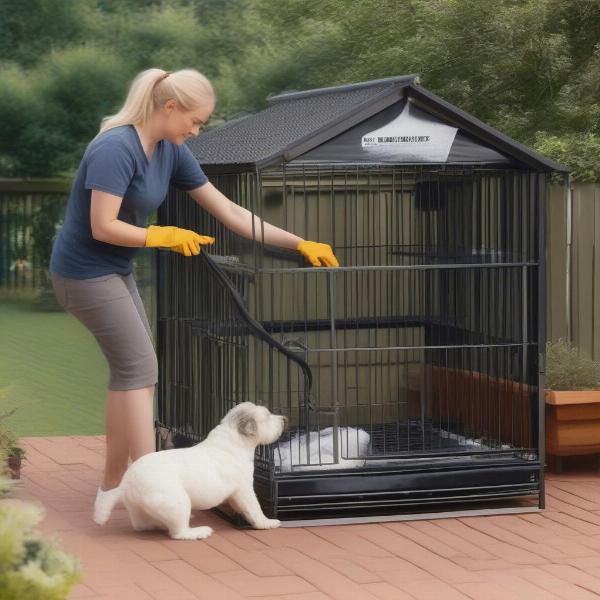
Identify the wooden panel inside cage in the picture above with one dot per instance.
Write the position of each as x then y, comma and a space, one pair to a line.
495, 409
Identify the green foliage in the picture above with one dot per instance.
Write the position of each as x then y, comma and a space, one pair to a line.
579, 152
67, 94
165, 36
17, 103
568, 368
9, 442
530, 68
31, 567
28, 30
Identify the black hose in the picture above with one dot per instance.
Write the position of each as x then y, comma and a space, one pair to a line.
258, 330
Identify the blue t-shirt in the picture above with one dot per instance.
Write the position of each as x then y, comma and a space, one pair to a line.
115, 162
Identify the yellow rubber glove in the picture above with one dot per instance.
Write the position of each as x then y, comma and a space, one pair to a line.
318, 254
180, 240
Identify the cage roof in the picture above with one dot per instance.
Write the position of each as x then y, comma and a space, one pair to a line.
384, 121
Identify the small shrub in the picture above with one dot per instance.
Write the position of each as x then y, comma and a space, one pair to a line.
32, 568
9, 443
568, 368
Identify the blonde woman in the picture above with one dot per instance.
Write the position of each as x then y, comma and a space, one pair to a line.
123, 176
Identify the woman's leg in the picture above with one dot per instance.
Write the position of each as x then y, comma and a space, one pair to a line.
139, 406
117, 442
138, 416
129, 428
111, 309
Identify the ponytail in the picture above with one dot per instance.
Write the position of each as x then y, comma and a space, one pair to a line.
152, 88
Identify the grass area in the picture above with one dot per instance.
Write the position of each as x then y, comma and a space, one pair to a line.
55, 372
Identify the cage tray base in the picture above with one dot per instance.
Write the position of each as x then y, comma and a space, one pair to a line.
460, 510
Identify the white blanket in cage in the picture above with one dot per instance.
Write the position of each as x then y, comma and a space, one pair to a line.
316, 451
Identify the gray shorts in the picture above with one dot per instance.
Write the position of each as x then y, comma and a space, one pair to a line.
111, 308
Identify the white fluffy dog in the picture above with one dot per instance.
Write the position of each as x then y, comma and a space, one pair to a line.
160, 489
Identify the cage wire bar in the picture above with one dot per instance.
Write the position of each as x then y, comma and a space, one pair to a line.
426, 345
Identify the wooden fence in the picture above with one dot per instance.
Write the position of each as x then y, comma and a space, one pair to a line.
574, 260
31, 212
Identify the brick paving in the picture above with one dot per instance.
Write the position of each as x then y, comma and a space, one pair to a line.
554, 554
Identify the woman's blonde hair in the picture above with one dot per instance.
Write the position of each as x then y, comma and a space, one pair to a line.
153, 87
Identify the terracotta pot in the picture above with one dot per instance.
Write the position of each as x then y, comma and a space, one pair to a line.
572, 422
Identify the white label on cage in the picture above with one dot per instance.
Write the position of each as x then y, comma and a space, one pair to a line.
409, 137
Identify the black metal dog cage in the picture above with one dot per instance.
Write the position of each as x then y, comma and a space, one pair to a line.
411, 376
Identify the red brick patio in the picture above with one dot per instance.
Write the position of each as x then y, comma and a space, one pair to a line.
548, 555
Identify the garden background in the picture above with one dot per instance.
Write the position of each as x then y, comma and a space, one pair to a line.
530, 68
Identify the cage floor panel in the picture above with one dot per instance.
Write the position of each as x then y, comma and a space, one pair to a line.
385, 445
403, 437
417, 436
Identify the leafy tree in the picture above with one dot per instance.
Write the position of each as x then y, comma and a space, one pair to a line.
56, 108
579, 152
531, 68
28, 30
155, 36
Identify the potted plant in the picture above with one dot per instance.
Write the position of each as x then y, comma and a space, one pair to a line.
572, 402
14, 460
10, 447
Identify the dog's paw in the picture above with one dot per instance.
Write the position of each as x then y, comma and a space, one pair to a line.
193, 533
267, 524
99, 518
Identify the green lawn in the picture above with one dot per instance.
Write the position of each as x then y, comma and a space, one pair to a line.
55, 372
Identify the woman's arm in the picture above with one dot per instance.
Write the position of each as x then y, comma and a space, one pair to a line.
106, 227
239, 219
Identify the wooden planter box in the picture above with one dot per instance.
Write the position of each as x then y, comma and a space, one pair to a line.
572, 423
